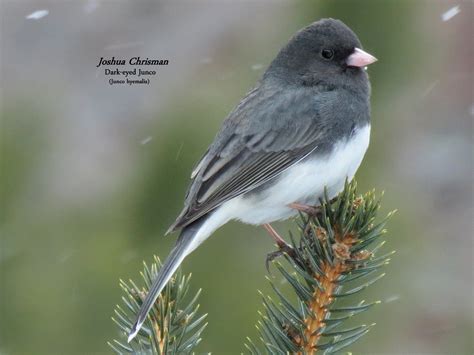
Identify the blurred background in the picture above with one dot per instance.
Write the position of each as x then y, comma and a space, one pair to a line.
92, 175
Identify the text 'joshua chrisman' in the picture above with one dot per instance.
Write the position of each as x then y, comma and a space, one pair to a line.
131, 61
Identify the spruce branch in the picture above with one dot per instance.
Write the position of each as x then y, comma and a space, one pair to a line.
173, 325
333, 259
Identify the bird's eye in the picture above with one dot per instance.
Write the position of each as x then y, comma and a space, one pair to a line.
327, 54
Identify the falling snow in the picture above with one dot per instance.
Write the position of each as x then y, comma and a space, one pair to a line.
179, 151
37, 15
257, 66
128, 256
146, 140
91, 6
206, 60
124, 45
448, 15
430, 88
392, 299
66, 255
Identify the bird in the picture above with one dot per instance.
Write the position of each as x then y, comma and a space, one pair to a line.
304, 128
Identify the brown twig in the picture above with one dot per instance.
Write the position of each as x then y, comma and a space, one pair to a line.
323, 297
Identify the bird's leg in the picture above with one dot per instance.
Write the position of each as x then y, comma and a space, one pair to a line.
276, 237
310, 210
283, 246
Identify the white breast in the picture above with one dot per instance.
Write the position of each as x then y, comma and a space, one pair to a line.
303, 183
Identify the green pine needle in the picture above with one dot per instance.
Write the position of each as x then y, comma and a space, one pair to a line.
172, 326
333, 259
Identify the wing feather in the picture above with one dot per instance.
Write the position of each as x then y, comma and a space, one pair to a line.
251, 150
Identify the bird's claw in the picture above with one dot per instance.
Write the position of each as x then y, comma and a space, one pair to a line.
283, 249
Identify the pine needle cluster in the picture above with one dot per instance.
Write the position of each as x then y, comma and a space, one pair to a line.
331, 261
172, 326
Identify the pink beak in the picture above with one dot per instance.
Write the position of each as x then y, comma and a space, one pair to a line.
360, 58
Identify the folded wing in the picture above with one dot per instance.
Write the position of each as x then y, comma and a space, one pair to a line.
250, 150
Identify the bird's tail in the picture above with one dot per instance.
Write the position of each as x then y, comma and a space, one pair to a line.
182, 248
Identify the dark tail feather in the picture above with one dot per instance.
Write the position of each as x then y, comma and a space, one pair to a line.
175, 258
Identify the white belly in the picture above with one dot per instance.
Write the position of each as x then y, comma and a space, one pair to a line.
303, 183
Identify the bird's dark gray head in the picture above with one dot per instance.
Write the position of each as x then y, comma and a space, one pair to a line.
327, 52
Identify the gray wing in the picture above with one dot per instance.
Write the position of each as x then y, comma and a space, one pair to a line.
267, 133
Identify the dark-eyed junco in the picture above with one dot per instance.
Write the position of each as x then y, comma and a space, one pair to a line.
304, 127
